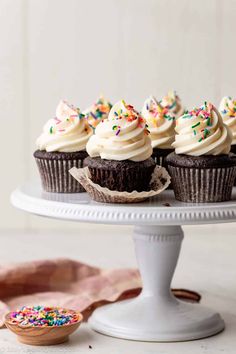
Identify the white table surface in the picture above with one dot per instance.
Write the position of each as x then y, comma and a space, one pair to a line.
207, 265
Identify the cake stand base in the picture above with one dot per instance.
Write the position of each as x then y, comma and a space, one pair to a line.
141, 319
156, 315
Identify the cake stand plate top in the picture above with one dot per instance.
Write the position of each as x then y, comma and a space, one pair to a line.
160, 210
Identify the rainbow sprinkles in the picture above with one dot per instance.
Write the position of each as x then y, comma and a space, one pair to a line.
158, 112
205, 113
230, 108
70, 119
40, 316
130, 114
97, 112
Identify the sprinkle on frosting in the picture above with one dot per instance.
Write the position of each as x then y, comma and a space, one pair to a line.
161, 123
98, 111
70, 119
130, 114
230, 107
117, 129
157, 111
123, 136
228, 111
68, 131
204, 112
173, 103
40, 316
201, 132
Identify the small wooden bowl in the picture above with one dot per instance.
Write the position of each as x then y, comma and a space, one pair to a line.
43, 335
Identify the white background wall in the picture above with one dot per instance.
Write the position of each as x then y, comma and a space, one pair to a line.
75, 49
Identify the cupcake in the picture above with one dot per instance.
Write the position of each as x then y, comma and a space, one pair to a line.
120, 151
228, 112
61, 146
201, 168
97, 112
173, 103
161, 124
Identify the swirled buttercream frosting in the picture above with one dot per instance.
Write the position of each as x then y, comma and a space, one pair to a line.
228, 112
161, 123
123, 136
98, 111
173, 103
67, 132
202, 132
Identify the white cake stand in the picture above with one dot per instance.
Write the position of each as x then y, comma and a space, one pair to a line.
155, 315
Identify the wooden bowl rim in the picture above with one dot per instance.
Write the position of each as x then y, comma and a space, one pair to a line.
38, 327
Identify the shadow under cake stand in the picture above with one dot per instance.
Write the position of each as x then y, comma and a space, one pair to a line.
155, 315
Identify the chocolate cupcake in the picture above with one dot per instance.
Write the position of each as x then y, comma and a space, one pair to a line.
97, 112
161, 124
120, 151
201, 168
61, 146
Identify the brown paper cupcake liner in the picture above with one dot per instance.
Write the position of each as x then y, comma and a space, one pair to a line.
158, 160
198, 185
159, 156
55, 176
159, 182
233, 150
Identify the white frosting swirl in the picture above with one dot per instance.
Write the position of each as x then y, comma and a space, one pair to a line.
202, 132
123, 136
67, 132
228, 112
161, 124
173, 103
98, 111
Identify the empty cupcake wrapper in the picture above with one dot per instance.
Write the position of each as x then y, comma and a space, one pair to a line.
159, 182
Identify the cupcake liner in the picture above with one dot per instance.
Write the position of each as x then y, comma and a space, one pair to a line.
198, 185
55, 176
159, 182
158, 159
233, 150
159, 156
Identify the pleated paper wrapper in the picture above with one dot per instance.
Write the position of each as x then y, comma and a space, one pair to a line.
159, 182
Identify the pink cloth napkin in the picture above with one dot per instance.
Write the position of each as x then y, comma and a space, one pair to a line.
70, 284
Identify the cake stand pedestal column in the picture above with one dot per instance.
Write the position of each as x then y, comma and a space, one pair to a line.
156, 315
